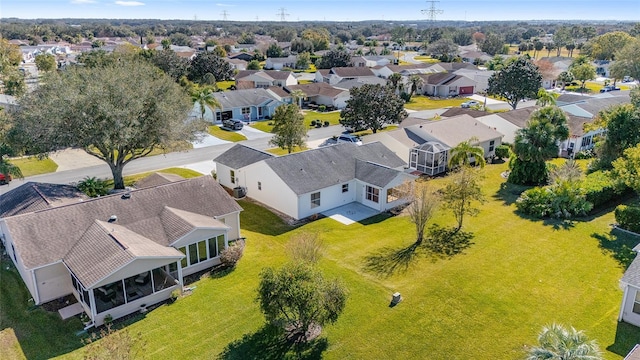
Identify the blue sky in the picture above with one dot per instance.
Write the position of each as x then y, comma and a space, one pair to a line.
343, 10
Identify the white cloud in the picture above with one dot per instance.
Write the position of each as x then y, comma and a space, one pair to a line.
129, 3
83, 1
221, 4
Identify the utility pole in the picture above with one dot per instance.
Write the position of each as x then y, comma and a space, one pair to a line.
432, 11
282, 13
225, 15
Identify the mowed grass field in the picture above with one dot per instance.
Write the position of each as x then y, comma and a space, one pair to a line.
488, 302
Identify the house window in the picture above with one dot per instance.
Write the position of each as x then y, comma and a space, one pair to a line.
202, 250
183, 262
216, 245
345, 188
193, 254
233, 176
218, 116
491, 145
636, 303
259, 185
373, 194
315, 200
586, 141
246, 111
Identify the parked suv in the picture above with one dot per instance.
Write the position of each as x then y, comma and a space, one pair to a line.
348, 138
232, 124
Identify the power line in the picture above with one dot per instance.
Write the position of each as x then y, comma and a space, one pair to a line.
432, 11
225, 15
282, 13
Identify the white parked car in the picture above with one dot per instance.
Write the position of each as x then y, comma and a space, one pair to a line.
348, 138
468, 104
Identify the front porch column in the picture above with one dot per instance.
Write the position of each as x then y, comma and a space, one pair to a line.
180, 276
92, 304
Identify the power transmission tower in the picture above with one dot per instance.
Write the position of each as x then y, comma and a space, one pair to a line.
282, 12
432, 11
225, 15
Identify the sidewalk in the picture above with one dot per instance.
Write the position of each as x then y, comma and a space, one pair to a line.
70, 159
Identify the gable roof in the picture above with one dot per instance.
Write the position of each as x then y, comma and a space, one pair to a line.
348, 84
351, 71
45, 237
453, 131
439, 78
105, 247
315, 89
240, 156
33, 196
267, 74
455, 111
156, 179
319, 168
374, 174
243, 98
632, 275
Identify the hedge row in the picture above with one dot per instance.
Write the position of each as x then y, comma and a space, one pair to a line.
628, 217
599, 188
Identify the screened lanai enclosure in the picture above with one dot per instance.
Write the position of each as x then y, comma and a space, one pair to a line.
429, 158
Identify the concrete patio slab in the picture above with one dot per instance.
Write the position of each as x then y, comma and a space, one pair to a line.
350, 213
70, 311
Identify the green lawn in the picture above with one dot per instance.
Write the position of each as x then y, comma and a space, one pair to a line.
225, 85
332, 117
129, 180
426, 59
594, 87
486, 303
419, 102
31, 166
227, 135
278, 151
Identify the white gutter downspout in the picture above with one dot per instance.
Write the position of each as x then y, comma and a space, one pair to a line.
35, 287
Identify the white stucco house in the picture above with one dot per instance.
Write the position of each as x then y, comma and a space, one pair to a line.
323, 94
281, 62
302, 184
119, 253
630, 284
264, 79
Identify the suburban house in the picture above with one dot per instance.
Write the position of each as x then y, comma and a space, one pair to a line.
281, 62
371, 61
119, 253
323, 94
426, 144
245, 56
630, 284
337, 74
407, 70
246, 105
302, 184
448, 84
237, 64
264, 78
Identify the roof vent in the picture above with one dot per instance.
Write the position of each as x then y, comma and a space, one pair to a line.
113, 218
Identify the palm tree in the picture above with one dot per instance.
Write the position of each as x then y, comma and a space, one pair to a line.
557, 342
297, 96
394, 80
461, 154
205, 99
416, 82
546, 98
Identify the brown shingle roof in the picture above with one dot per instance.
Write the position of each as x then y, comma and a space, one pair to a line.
279, 91
32, 196
352, 71
156, 179
460, 111
46, 236
315, 89
438, 78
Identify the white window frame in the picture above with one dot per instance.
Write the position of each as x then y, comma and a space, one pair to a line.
315, 199
372, 194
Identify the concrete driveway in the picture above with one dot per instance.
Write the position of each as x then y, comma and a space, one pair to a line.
350, 213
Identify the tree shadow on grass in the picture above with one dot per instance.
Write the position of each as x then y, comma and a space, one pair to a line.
619, 245
509, 192
440, 243
376, 219
626, 338
269, 343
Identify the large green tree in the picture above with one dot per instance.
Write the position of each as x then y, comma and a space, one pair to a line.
45, 62
169, 62
604, 47
117, 113
582, 70
516, 82
492, 44
288, 127
627, 168
334, 58
209, 63
537, 143
622, 123
372, 107
6, 149
558, 342
627, 61
298, 298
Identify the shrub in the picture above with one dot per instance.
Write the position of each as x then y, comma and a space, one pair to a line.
600, 187
93, 187
563, 200
628, 217
322, 108
313, 123
503, 151
535, 202
230, 256
405, 96
584, 154
326, 123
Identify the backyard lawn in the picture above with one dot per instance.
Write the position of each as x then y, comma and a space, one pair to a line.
31, 166
487, 302
279, 152
332, 117
419, 102
220, 133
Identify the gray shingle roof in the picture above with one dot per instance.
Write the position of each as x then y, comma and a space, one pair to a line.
352, 71
452, 131
156, 179
243, 98
374, 174
240, 156
46, 236
632, 275
32, 196
316, 169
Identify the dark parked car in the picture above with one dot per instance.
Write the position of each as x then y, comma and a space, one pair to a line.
232, 124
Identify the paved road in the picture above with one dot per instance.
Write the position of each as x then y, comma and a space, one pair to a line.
158, 162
